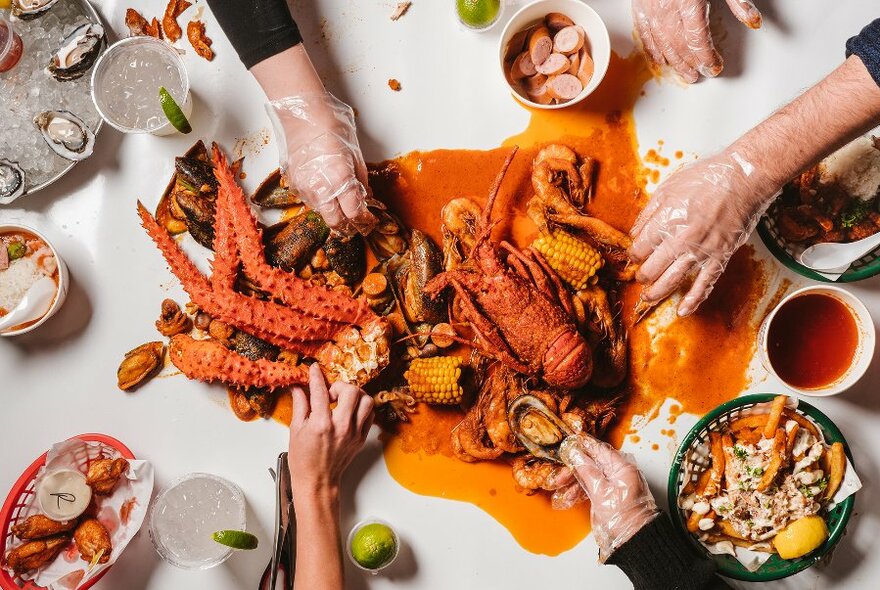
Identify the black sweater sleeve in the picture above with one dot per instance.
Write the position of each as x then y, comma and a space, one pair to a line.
258, 29
657, 558
867, 46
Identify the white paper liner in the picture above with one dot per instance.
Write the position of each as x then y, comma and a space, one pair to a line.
753, 559
69, 571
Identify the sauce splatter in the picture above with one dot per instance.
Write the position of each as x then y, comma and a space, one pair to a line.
125, 510
812, 340
653, 157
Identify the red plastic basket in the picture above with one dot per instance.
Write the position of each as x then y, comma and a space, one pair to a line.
20, 501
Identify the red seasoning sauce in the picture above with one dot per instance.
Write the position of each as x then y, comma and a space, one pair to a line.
812, 340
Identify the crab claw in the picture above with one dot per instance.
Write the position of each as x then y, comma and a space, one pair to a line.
568, 362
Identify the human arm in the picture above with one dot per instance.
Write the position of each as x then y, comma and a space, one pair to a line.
630, 530
676, 33
316, 132
323, 443
704, 212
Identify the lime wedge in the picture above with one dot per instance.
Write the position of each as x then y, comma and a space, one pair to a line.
374, 546
236, 539
478, 14
172, 110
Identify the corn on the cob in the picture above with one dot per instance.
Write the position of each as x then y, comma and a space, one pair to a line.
573, 259
435, 380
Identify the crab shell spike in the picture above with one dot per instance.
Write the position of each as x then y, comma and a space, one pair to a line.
293, 291
208, 360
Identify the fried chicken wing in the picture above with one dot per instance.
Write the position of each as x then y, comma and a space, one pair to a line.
39, 526
35, 554
104, 474
92, 540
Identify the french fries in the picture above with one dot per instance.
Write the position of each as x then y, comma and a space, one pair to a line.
753, 478
837, 465
774, 416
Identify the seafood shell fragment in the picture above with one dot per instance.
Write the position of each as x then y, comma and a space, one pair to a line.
66, 134
31, 9
537, 427
11, 181
77, 53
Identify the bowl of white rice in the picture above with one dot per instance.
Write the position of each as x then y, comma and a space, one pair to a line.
26, 256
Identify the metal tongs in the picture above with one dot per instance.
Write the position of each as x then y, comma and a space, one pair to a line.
284, 548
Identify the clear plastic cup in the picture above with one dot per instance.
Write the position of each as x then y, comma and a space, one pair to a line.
185, 515
11, 46
358, 527
126, 81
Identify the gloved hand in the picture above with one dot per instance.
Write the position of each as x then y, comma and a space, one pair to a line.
321, 156
676, 32
621, 503
694, 222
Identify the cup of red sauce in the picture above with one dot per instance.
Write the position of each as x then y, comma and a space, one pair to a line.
819, 341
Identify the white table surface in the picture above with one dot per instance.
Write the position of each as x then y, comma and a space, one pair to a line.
60, 380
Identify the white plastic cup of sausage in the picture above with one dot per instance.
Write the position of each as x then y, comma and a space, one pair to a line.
63, 280
596, 43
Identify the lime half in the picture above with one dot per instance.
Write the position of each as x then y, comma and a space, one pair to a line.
478, 14
173, 112
373, 546
236, 539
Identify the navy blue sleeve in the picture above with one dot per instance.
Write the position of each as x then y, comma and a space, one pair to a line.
258, 29
866, 45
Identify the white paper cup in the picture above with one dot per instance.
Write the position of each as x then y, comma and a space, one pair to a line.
594, 28
864, 348
63, 280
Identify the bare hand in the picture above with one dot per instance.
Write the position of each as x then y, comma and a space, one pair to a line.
322, 158
694, 222
676, 32
324, 442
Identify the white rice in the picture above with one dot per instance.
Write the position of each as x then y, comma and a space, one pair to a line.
856, 167
16, 280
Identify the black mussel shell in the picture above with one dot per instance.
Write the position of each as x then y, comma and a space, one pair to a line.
196, 173
291, 244
347, 257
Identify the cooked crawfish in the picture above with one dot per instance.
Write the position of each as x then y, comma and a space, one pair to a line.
515, 307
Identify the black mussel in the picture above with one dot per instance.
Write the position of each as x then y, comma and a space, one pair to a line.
347, 257
252, 347
274, 192
418, 265
197, 175
291, 244
199, 212
537, 427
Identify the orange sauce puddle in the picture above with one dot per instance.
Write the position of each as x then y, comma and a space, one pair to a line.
699, 361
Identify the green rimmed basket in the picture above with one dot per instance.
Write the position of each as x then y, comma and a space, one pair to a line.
787, 253
775, 568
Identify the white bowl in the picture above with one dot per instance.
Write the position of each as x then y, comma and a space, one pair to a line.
581, 14
864, 349
63, 279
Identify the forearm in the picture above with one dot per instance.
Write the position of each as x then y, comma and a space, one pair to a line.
844, 105
318, 540
258, 29
288, 73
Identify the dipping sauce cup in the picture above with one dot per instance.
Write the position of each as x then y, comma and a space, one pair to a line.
62, 276
11, 47
819, 341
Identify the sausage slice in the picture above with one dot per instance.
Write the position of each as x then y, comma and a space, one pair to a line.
522, 66
568, 40
564, 87
556, 21
585, 69
555, 64
540, 45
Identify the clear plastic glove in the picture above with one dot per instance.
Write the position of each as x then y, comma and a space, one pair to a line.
621, 503
695, 221
321, 156
676, 32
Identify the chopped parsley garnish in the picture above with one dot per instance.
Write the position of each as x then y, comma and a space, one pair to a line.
740, 452
855, 213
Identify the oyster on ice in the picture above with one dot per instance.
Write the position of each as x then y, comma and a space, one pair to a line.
66, 134
30, 9
11, 181
536, 427
77, 53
